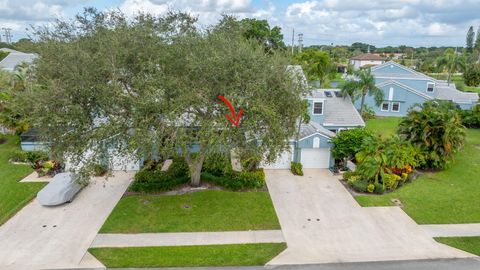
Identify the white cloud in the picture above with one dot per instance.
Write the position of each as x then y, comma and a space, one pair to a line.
382, 22
207, 11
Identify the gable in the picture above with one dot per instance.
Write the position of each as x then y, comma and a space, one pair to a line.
316, 140
394, 90
393, 68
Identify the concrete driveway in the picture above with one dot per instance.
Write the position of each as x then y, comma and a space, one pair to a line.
58, 237
322, 223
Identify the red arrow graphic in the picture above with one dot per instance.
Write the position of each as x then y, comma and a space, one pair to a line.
234, 118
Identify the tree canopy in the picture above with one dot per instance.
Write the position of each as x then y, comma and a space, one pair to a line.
150, 85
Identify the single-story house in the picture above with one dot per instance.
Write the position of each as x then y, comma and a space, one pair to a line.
366, 60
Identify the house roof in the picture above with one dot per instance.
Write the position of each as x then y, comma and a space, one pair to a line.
15, 58
338, 111
307, 130
368, 56
442, 91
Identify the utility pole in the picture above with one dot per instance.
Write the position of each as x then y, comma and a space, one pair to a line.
293, 40
300, 42
7, 35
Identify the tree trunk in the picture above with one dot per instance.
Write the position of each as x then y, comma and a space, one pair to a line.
449, 77
361, 104
195, 167
296, 140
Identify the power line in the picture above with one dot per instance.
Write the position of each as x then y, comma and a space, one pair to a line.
7, 35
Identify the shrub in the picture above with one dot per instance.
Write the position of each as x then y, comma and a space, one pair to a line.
99, 170
360, 185
370, 188
296, 168
152, 180
29, 156
217, 163
391, 181
435, 128
3, 139
368, 112
348, 142
379, 188
471, 118
47, 168
36, 156
237, 180
18, 156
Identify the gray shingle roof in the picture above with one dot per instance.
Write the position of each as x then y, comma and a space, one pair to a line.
338, 111
444, 91
312, 128
15, 58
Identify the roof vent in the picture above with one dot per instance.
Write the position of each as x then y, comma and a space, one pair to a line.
338, 94
328, 93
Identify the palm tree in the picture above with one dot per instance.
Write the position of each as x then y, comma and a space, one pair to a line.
452, 63
360, 86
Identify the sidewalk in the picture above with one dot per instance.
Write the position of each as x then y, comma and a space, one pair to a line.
452, 230
187, 239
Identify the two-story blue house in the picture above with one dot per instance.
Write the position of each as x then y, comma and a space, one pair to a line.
329, 113
404, 87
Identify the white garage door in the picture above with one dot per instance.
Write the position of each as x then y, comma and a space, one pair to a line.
315, 158
282, 162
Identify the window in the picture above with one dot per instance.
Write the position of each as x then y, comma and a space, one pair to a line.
430, 87
328, 93
395, 106
316, 142
385, 106
317, 107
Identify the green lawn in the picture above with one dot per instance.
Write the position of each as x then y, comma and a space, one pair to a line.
468, 244
188, 256
210, 210
449, 196
385, 126
13, 195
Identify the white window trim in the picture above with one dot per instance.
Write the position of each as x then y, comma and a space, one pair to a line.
313, 107
381, 106
398, 106
430, 83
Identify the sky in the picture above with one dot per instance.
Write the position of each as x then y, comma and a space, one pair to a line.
338, 22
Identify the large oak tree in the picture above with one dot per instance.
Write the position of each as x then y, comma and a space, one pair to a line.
149, 85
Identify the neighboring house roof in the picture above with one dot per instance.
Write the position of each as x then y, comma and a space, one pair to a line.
312, 128
297, 70
413, 73
442, 91
368, 56
338, 110
15, 58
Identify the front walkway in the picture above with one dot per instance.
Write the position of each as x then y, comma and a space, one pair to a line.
322, 223
41, 237
187, 239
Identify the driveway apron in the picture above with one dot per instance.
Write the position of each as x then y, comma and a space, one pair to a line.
322, 223
41, 237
